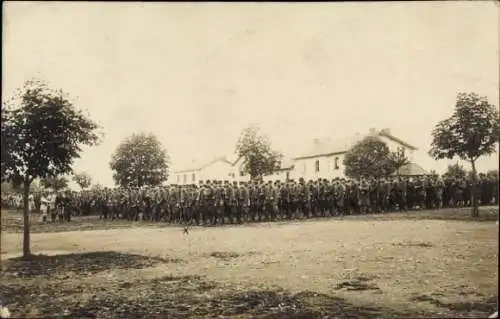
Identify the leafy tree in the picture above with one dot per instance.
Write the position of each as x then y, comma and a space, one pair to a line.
398, 159
492, 174
56, 183
43, 133
470, 132
455, 171
140, 160
259, 159
370, 157
83, 180
97, 187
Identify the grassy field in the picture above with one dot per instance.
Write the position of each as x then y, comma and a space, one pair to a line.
423, 264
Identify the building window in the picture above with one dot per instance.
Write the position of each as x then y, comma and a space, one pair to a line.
193, 177
185, 178
242, 173
287, 176
336, 163
317, 166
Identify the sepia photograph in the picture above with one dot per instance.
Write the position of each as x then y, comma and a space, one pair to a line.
250, 159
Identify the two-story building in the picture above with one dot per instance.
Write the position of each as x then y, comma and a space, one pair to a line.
324, 158
225, 168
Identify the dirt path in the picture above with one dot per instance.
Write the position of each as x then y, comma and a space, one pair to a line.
402, 260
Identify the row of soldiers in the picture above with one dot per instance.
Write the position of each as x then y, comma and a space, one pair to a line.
216, 202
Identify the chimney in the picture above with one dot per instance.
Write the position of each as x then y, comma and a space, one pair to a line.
386, 131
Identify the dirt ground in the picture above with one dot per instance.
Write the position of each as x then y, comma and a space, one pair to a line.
422, 264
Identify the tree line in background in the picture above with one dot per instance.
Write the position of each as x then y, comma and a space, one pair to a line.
42, 133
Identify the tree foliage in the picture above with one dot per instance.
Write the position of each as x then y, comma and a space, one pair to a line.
55, 183
456, 172
97, 187
397, 160
470, 132
492, 174
42, 134
259, 159
83, 180
140, 160
371, 157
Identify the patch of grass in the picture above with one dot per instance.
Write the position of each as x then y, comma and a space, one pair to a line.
224, 254
413, 244
358, 283
179, 297
487, 305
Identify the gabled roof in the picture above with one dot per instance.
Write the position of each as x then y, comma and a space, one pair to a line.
329, 146
411, 169
387, 133
233, 158
196, 166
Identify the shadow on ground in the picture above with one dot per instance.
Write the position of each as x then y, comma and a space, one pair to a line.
82, 264
487, 305
63, 286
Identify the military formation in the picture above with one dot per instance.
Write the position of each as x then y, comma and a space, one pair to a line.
215, 202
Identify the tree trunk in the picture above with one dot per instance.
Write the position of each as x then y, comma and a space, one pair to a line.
474, 195
26, 217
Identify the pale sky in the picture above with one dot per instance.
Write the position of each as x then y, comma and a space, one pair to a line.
197, 74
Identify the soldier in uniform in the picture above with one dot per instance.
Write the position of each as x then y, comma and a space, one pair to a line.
268, 201
244, 201
285, 200
439, 186
364, 196
236, 209
382, 195
420, 192
341, 199
354, 201
209, 203
58, 207
219, 203
253, 194
373, 195
402, 193
228, 198
430, 192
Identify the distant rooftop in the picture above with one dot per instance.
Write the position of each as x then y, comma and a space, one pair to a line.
411, 169
324, 147
197, 165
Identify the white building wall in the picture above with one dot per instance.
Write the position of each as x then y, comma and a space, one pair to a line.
278, 176
183, 178
219, 170
306, 168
